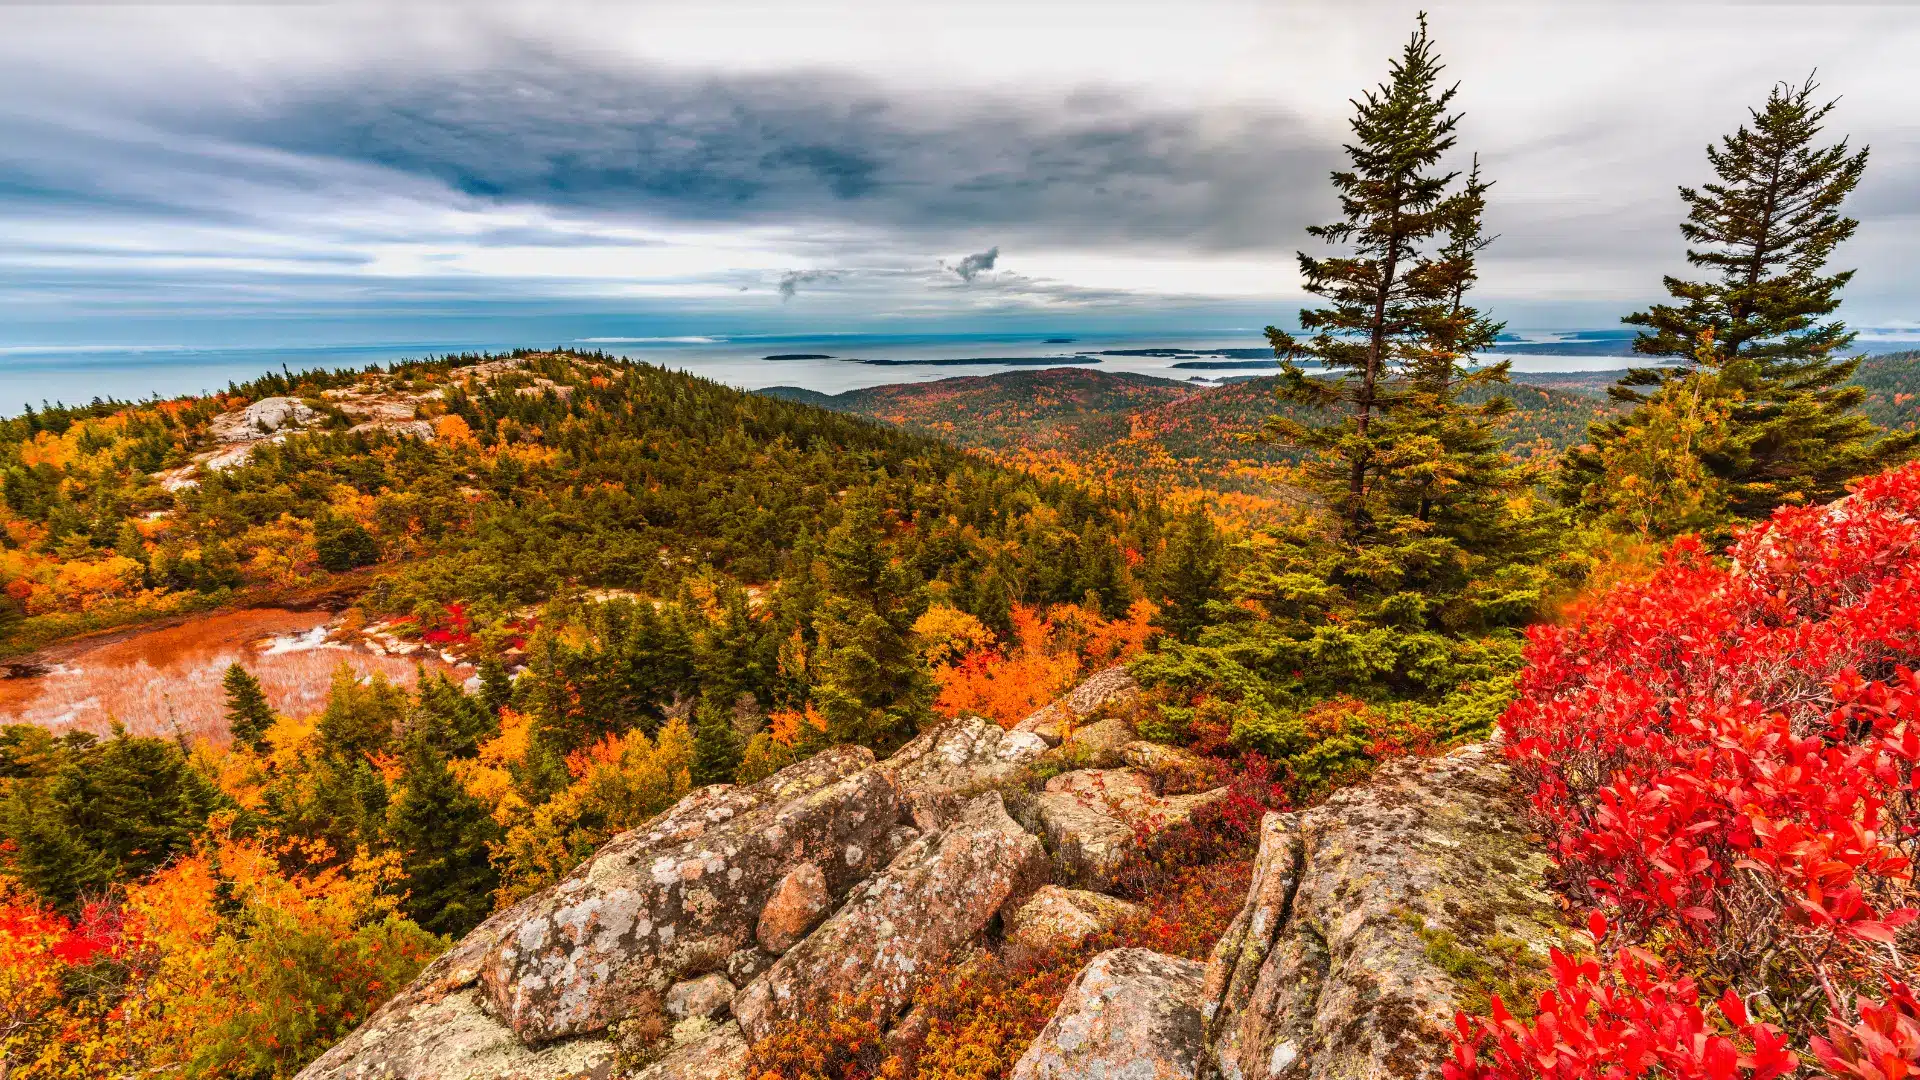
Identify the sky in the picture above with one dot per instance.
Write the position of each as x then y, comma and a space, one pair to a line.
300, 173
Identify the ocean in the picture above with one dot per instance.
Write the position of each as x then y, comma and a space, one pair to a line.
829, 363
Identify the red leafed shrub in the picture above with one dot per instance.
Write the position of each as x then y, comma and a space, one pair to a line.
1724, 760
1629, 1017
456, 628
1884, 1045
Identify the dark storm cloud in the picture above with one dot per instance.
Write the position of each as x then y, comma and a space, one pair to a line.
812, 148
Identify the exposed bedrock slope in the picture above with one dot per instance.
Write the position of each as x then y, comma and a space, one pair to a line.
1370, 920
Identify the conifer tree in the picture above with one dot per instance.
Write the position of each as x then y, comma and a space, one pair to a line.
1396, 328
1764, 231
1194, 573
1452, 467
496, 686
441, 833
716, 746
868, 681
248, 714
111, 811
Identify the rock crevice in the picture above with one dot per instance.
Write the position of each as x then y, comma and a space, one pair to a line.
1372, 919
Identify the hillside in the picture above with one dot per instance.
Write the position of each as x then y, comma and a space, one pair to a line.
420, 518
496, 483
1892, 382
1113, 425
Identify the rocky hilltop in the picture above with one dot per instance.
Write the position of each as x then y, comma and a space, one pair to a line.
846, 879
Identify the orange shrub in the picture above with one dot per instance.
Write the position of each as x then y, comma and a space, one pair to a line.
221, 964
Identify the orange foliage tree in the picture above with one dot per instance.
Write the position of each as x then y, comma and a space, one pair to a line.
1049, 653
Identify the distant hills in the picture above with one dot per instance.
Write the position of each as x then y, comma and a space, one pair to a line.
1123, 426
1891, 380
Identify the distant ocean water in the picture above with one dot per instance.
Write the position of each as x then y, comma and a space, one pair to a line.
31, 374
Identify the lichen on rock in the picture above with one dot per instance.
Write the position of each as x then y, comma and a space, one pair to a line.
1131, 1013
1332, 969
896, 929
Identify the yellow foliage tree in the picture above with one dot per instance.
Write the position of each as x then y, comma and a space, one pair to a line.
618, 783
1655, 481
945, 634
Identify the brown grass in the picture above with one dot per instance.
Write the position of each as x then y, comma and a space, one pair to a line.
167, 682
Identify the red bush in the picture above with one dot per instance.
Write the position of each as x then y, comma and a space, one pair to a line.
1627, 1018
456, 628
1724, 759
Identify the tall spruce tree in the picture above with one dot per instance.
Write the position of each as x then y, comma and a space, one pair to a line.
1453, 468
1760, 323
1396, 329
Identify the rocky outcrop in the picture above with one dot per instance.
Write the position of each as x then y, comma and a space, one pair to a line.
428, 1036
1368, 918
1131, 1013
1057, 918
893, 931
679, 897
262, 419
1092, 819
955, 759
1109, 689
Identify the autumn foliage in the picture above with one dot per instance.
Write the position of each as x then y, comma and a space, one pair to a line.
222, 964
1048, 653
1724, 759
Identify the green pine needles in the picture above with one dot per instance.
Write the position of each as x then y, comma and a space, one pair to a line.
1396, 336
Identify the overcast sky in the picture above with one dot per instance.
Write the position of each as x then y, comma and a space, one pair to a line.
866, 165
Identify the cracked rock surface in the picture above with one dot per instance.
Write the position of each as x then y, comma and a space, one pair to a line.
679, 896
1337, 967
893, 931
963, 754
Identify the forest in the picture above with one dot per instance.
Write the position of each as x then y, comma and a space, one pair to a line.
663, 583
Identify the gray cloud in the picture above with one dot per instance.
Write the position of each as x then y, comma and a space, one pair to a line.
370, 153
791, 281
973, 265
819, 148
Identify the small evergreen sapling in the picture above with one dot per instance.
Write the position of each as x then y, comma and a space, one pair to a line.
248, 714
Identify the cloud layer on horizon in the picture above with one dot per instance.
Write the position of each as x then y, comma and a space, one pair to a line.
513, 164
